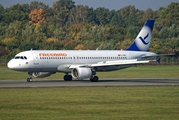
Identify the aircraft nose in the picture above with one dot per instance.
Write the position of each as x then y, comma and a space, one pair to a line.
10, 64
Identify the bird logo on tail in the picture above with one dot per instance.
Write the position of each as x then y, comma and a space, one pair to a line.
143, 39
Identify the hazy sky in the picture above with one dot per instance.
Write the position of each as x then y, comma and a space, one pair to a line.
111, 4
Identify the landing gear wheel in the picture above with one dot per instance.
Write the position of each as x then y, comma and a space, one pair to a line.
29, 79
67, 78
94, 79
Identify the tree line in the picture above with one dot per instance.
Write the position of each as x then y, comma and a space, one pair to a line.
66, 26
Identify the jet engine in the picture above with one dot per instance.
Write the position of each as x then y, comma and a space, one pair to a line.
41, 74
81, 73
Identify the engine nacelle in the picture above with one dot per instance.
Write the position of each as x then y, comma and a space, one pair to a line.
81, 73
41, 74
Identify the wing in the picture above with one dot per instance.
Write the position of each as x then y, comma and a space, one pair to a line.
111, 63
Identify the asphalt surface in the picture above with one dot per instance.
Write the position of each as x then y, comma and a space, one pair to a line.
83, 83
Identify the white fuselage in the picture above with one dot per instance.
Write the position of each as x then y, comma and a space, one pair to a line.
60, 60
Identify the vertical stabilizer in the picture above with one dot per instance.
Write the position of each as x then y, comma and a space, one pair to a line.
143, 39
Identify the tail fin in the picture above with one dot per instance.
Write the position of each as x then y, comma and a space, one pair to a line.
142, 41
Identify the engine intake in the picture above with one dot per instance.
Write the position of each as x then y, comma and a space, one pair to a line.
81, 73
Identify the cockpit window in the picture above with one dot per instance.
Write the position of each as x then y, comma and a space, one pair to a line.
17, 57
20, 57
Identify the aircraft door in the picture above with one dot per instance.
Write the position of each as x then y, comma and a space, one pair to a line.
36, 58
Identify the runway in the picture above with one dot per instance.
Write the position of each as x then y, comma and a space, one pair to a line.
85, 83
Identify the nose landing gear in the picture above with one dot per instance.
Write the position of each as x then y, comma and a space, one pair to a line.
29, 79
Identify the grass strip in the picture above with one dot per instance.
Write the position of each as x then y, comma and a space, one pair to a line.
89, 103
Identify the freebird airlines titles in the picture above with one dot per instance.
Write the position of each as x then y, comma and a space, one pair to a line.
82, 64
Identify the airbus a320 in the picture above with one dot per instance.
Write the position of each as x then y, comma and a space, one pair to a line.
82, 64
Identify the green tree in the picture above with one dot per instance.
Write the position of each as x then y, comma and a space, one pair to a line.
16, 12
111, 45
129, 15
149, 14
3, 28
60, 33
28, 33
53, 46
169, 15
103, 15
37, 5
14, 44
81, 14
1, 11
164, 33
132, 32
14, 29
117, 33
39, 36
28, 45
117, 21
61, 11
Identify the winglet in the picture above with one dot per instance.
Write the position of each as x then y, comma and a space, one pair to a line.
142, 41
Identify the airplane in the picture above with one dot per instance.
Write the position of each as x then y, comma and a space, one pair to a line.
83, 64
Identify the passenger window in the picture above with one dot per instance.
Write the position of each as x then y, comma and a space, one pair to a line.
25, 57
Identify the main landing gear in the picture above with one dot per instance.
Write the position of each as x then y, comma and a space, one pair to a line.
67, 77
29, 79
94, 79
